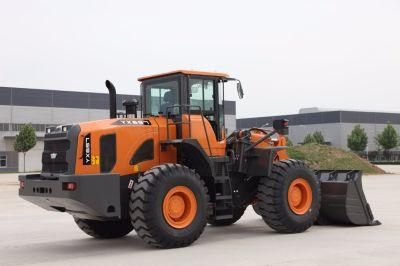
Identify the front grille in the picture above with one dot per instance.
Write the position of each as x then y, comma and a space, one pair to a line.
54, 157
54, 167
56, 145
54, 135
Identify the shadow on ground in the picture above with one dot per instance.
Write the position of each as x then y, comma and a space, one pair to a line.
88, 247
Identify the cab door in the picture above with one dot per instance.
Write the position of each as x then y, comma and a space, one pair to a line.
205, 92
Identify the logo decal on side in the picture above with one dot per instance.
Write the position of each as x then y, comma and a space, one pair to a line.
95, 160
53, 155
126, 122
87, 155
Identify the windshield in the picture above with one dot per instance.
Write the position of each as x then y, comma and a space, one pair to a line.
159, 96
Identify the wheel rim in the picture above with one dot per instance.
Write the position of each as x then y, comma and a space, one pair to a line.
299, 196
179, 207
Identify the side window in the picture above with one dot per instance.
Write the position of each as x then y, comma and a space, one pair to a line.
208, 95
154, 101
3, 161
221, 114
160, 96
202, 93
196, 92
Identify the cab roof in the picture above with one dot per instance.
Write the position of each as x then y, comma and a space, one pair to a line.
186, 72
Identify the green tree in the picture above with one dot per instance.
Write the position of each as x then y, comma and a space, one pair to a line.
357, 140
309, 138
319, 138
25, 140
389, 138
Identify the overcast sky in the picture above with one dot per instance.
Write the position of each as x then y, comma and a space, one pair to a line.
288, 54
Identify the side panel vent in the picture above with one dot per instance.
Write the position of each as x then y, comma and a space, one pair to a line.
108, 153
144, 153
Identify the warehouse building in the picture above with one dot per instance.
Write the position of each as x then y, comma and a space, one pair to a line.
335, 125
43, 108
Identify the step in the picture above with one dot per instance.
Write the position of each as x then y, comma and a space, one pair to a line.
223, 197
224, 217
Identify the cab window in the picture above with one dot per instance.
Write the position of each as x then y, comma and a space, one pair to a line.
202, 94
160, 96
208, 95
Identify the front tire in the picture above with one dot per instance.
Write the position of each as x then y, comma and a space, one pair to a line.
168, 206
104, 229
289, 199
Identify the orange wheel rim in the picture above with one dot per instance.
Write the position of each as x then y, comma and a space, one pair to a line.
300, 196
179, 207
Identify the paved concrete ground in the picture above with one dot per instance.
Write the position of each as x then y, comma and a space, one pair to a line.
391, 169
30, 235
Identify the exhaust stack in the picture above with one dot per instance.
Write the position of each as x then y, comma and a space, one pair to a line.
113, 99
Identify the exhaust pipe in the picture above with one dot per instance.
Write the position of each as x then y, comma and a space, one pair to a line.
113, 99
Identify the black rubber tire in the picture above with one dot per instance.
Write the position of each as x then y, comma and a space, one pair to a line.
104, 229
273, 201
146, 201
237, 214
256, 208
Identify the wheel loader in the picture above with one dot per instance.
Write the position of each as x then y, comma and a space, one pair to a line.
169, 171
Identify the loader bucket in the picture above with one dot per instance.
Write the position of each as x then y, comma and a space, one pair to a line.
343, 200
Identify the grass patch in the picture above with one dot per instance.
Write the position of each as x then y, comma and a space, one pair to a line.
323, 157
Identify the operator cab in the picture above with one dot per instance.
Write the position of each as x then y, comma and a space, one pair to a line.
184, 91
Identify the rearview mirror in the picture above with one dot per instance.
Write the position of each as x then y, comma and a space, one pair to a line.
239, 89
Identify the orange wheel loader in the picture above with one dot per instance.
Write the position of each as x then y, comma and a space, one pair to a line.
169, 172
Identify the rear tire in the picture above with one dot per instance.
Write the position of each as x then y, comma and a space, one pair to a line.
256, 208
282, 209
237, 214
168, 206
104, 229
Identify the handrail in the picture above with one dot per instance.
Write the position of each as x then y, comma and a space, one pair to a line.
189, 108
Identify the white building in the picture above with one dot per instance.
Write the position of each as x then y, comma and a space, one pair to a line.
335, 125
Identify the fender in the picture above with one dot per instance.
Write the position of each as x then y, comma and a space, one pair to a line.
191, 154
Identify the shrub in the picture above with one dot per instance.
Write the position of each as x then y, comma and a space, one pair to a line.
389, 138
25, 140
357, 140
